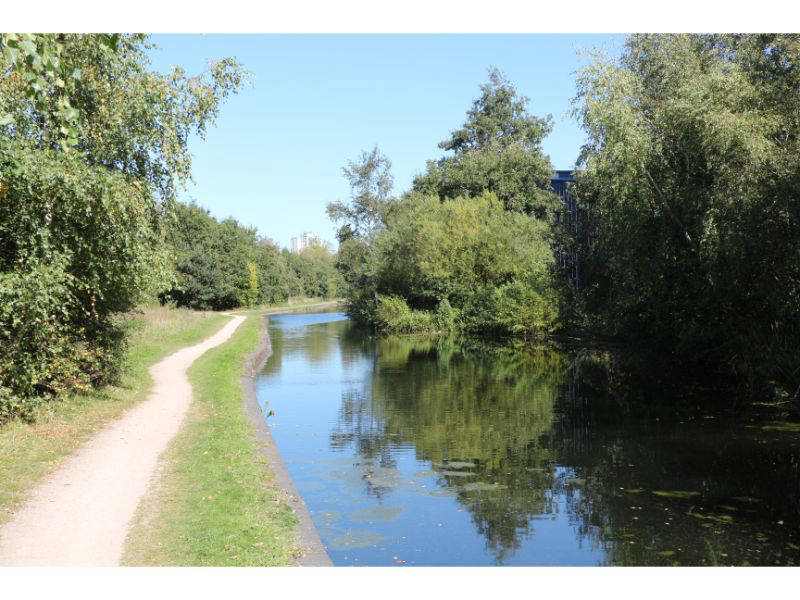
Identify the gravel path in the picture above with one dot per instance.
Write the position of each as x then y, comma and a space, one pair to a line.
79, 515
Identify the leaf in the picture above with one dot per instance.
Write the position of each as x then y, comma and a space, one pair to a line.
28, 47
12, 54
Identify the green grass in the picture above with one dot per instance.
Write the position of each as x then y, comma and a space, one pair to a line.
292, 303
29, 451
214, 503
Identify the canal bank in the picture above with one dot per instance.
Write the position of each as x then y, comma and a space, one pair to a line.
313, 553
213, 501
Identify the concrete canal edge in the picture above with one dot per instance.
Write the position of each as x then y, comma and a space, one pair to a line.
313, 550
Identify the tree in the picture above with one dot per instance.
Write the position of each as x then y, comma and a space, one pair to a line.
273, 273
497, 149
490, 265
691, 183
212, 261
252, 284
362, 221
92, 148
315, 270
371, 181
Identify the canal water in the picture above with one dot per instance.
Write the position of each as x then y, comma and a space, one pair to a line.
417, 451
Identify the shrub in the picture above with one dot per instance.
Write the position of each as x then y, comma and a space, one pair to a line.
468, 264
92, 147
394, 316
44, 352
445, 316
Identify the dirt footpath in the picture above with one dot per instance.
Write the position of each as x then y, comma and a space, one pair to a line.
79, 515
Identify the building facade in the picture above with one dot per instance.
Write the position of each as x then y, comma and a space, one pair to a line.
304, 241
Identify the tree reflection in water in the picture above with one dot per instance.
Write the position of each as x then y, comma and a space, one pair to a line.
508, 430
481, 409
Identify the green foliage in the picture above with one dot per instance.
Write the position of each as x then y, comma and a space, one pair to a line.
92, 147
211, 260
469, 247
394, 316
498, 149
221, 265
491, 265
691, 182
460, 264
35, 341
275, 280
252, 284
40, 60
361, 221
445, 316
315, 271
371, 180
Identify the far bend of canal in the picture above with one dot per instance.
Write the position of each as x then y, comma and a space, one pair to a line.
412, 451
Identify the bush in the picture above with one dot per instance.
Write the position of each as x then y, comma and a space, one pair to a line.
44, 353
394, 316
92, 147
464, 264
445, 316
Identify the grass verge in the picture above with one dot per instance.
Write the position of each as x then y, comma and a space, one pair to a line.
29, 451
213, 502
304, 304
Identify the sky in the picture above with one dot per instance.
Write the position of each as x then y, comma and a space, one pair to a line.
274, 159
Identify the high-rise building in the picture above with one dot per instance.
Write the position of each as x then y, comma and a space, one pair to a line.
306, 240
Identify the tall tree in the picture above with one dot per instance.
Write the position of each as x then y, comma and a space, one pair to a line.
361, 220
497, 149
93, 145
371, 181
691, 180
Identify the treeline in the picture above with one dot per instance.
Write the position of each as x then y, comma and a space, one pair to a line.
220, 265
689, 247
93, 145
470, 246
691, 179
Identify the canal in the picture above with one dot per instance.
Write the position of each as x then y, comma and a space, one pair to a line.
418, 451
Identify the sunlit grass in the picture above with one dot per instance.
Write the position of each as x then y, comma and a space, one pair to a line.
29, 451
214, 503
300, 302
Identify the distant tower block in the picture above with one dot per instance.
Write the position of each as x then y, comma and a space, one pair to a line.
304, 241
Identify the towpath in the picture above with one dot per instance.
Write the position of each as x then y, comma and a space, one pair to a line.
80, 514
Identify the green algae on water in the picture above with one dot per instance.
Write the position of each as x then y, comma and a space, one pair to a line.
675, 494
481, 486
377, 513
356, 539
457, 473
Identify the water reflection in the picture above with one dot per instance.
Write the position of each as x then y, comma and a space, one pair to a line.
446, 451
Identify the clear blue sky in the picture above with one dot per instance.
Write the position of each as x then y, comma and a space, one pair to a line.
275, 158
